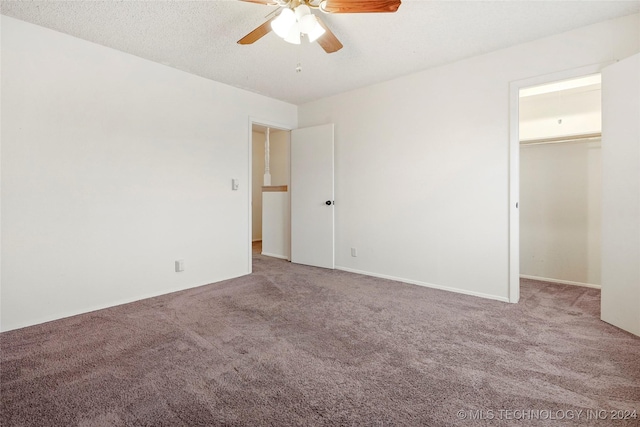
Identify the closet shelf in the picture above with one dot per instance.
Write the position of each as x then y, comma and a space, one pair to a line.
560, 139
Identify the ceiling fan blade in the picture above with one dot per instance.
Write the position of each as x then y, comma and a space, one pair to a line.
328, 40
258, 33
361, 6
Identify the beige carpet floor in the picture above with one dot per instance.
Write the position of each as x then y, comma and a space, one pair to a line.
292, 345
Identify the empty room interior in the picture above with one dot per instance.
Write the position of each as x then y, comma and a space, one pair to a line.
306, 212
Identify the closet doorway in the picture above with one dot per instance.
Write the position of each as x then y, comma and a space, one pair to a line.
560, 201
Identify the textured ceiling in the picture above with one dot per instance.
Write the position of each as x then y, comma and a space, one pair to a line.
200, 37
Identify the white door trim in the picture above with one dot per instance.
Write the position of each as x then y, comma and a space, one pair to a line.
272, 125
514, 163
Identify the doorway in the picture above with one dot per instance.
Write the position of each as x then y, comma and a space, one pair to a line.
312, 202
560, 127
514, 163
270, 180
620, 197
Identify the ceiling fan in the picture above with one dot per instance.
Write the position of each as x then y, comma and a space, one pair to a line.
296, 19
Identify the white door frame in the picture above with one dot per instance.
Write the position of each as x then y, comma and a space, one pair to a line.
272, 125
514, 162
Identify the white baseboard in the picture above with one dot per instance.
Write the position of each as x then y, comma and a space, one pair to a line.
426, 285
562, 282
275, 255
112, 303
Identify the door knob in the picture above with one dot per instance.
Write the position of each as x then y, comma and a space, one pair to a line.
328, 203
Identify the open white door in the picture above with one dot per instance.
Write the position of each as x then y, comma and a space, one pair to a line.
312, 227
620, 304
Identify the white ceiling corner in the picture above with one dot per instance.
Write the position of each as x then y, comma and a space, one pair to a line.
200, 37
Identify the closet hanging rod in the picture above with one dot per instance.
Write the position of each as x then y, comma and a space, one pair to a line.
560, 139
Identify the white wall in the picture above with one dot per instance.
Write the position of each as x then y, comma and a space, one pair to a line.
113, 167
560, 211
276, 220
279, 141
422, 162
579, 112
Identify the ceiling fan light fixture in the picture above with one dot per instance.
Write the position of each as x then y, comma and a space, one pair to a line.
302, 11
294, 34
308, 23
284, 23
291, 22
316, 33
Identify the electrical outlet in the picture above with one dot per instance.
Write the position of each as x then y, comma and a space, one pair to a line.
179, 265
354, 252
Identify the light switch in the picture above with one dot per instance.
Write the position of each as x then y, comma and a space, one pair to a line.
234, 184
179, 265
